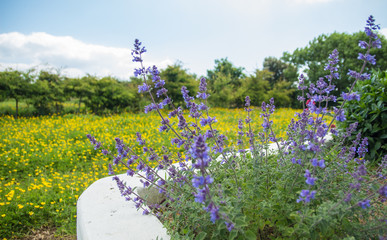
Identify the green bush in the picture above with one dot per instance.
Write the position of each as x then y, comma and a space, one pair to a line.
370, 113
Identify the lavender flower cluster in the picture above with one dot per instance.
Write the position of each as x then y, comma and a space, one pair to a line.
303, 157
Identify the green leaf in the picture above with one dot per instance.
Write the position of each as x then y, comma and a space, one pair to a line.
261, 224
295, 216
233, 234
250, 235
201, 235
221, 226
377, 145
241, 222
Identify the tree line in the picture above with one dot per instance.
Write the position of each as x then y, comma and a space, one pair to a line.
227, 84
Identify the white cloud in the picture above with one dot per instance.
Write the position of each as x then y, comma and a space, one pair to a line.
73, 57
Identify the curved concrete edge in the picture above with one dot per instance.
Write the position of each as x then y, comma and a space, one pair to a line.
103, 214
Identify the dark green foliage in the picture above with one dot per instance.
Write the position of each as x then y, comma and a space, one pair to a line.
228, 86
223, 83
256, 86
281, 71
314, 56
282, 93
79, 88
175, 77
370, 113
15, 85
48, 93
110, 95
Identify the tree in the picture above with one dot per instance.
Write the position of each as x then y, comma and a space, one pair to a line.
282, 92
314, 57
110, 95
79, 88
48, 93
256, 87
281, 70
175, 77
15, 85
223, 83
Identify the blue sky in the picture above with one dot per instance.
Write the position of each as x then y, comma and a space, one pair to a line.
95, 36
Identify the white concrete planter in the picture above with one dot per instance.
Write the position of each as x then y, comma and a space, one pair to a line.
103, 214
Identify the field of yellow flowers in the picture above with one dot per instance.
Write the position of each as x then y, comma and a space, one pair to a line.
47, 162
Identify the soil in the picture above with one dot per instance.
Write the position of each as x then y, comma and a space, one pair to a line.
47, 233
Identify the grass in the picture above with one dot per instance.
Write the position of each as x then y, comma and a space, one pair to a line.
8, 107
47, 162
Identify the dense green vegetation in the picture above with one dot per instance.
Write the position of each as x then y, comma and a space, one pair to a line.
47, 161
370, 113
46, 92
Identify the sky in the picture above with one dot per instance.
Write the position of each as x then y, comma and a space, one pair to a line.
79, 37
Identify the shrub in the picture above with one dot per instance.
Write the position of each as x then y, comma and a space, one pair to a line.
370, 113
306, 189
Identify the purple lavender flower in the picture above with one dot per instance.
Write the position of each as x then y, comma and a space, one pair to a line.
187, 98
321, 163
364, 204
161, 182
220, 143
314, 162
203, 85
94, 142
247, 100
361, 151
116, 160
206, 121
356, 75
161, 92
333, 60
199, 152
130, 172
383, 190
200, 181
301, 83
350, 96
140, 71
309, 179
296, 161
132, 159
140, 166
203, 96
202, 107
348, 197
340, 114
160, 84
230, 226
143, 88
182, 122
371, 26
306, 196
139, 139
105, 152
111, 172
213, 210
367, 58
137, 51
174, 112
202, 89
200, 196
